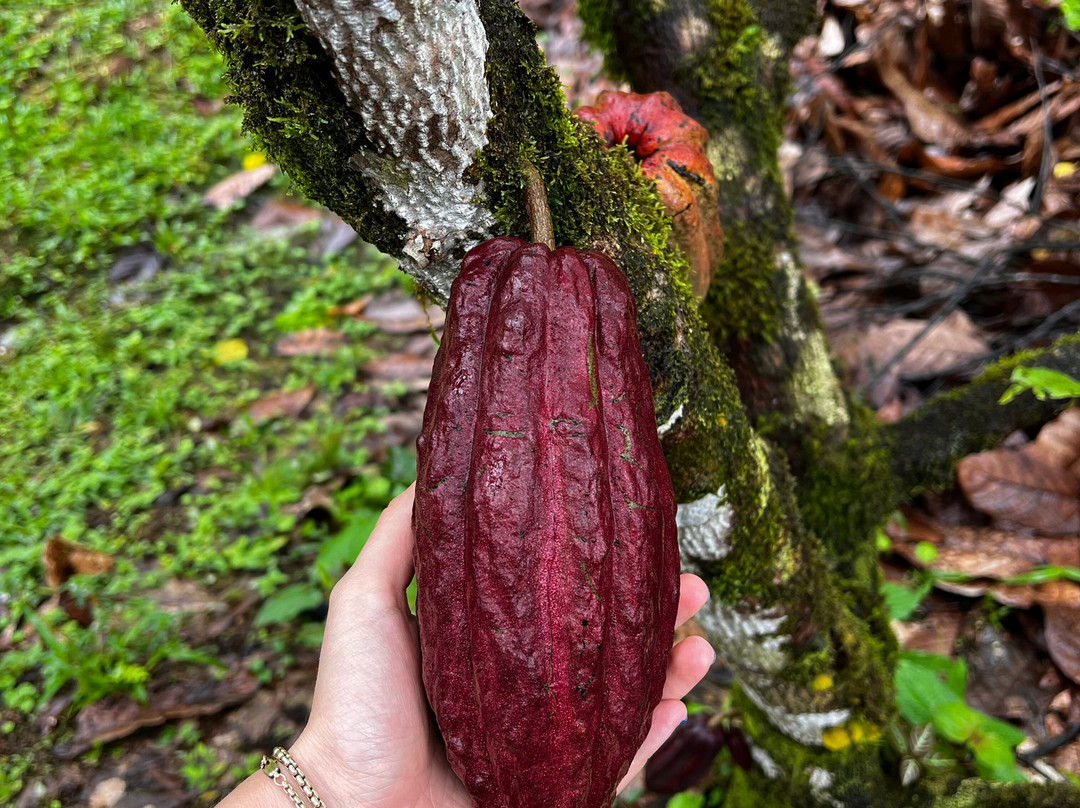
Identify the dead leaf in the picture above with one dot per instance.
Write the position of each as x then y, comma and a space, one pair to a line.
280, 214
1014, 485
951, 345
310, 342
107, 793
62, 559
1013, 206
114, 718
928, 121
238, 186
316, 502
352, 309
335, 236
207, 106
181, 596
402, 367
935, 634
1056, 109
281, 404
1001, 118
988, 555
975, 551
1058, 442
1063, 638
402, 315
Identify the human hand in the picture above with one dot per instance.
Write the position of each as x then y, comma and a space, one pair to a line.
370, 741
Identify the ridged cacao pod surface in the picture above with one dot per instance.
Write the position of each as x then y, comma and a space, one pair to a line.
670, 146
546, 554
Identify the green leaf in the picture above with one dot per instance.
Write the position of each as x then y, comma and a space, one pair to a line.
900, 601
342, 549
1004, 730
287, 603
1042, 382
926, 552
686, 799
956, 721
1071, 10
920, 693
994, 759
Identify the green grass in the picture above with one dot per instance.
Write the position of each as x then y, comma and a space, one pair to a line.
101, 144
121, 428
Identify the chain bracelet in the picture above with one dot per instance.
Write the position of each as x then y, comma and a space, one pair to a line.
277, 776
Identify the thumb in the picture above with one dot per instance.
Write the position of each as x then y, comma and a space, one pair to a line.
385, 565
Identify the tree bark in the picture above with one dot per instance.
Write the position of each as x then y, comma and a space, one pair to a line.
414, 119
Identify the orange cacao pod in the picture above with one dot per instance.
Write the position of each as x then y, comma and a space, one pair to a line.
670, 146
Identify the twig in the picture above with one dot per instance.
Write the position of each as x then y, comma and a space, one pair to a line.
947, 308
1049, 745
536, 207
1048, 135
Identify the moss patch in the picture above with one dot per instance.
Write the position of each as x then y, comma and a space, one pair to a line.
283, 78
926, 444
598, 198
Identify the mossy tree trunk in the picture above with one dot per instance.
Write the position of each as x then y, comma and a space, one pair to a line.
413, 120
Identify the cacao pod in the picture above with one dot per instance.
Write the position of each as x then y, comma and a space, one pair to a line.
670, 146
740, 749
546, 555
685, 757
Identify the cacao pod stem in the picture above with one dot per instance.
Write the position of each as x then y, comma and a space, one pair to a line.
536, 207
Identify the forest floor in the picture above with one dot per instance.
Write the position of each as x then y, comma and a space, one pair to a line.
189, 457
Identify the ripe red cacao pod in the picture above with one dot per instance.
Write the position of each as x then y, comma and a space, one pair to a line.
685, 757
546, 555
670, 147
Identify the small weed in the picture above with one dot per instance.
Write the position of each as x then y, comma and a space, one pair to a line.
200, 767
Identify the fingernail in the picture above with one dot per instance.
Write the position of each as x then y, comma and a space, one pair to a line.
683, 721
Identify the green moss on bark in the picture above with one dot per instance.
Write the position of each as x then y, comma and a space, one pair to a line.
926, 444
857, 777
283, 79
743, 301
598, 198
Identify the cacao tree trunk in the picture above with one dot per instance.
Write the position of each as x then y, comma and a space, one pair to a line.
413, 119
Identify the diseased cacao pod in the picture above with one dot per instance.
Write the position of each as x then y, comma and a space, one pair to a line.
685, 757
670, 146
546, 556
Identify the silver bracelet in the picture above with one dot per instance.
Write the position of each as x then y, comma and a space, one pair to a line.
278, 777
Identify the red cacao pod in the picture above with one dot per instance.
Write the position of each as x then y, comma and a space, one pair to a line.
546, 555
685, 757
670, 146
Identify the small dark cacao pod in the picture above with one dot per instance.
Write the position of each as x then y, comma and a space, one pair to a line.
740, 749
546, 555
685, 757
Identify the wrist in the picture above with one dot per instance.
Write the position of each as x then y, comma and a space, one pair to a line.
324, 769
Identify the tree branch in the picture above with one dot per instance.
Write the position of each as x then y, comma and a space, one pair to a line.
776, 616
928, 442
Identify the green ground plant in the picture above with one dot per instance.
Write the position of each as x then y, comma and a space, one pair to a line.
122, 425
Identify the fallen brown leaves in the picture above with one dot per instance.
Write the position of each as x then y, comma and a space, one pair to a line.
115, 718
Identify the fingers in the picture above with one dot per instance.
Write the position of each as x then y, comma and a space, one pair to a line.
690, 661
692, 596
668, 714
386, 562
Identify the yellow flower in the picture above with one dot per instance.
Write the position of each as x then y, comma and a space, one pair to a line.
835, 738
